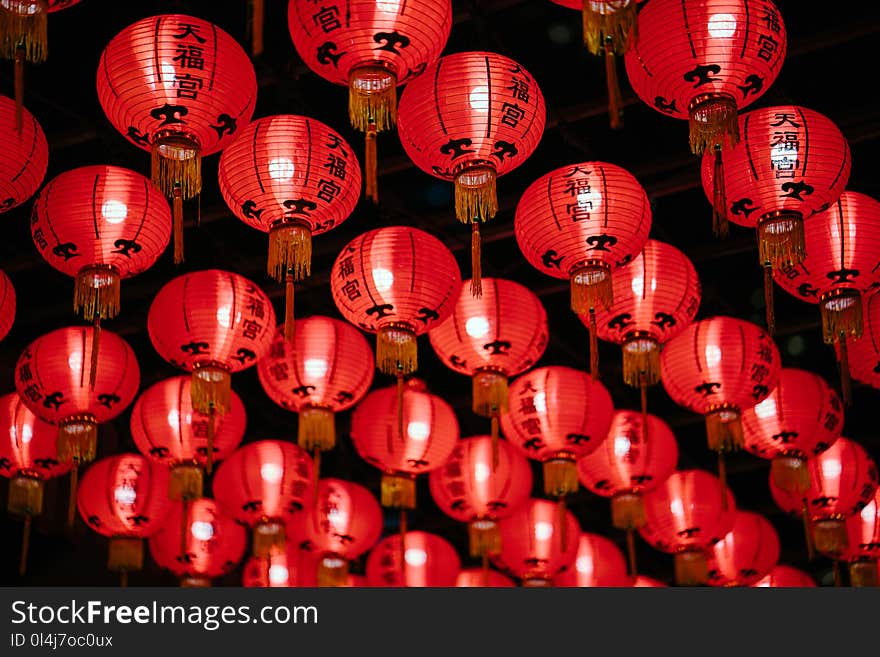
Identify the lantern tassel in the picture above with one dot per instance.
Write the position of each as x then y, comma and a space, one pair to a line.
607, 23
691, 568
209, 456
790, 473
476, 262
396, 350
256, 27
591, 287
289, 330
484, 537
720, 225
269, 538
25, 545
724, 430
316, 429
494, 438
713, 121
631, 553
176, 162
71, 502
210, 388
186, 482
641, 361
489, 392
290, 251
781, 239
830, 536
24, 27
560, 476
627, 511
845, 379
615, 100
19, 89
372, 99
371, 175
332, 571
96, 292
77, 439
863, 573
125, 554
96, 343
770, 313
475, 196
808, 532
398, 491
177, 224
594, 346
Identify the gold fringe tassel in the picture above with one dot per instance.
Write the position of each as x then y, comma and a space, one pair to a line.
371, 164
830, 536
210, 389
476, 262
186, 482
641, 361
713, 121
96, 346
332, 571
484, 537
209, 447
177, 224
489, 392
270, 538
77, 439
96, 292
25, 496
396, 350
591, 288
724, 429
256, 27
769, 303
290, 250
720, 225
372, 99
475, 196
781, 240
863, 573
125, 554
316, 429
841, 315
25, 30
691, 568
615, 100
560, 476
790, 473
176, 163
609, 23
627, 511
398, 491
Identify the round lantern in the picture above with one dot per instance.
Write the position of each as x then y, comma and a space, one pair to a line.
471, 117
291, 568
168, 430
747, 553
198, 542
538, 542
480, 578
581, 222
644, 582
557, 415
785, 576
211, 323
685, 516
404, 437
292, 177
863, 539
327, 369
719, 367
124, 498
416, 558
864, 353
843, 248
480, 487
372, 48
263, 485
397, 282
7, 305
656, 296
26, 154
345, 522
498, 335
179, 87
843, 481
702, 60
802, 417
599, 563
28, 457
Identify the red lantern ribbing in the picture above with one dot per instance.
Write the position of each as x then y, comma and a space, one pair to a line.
26, 155
179, 87
581, 222
198, 542
124, 498
477, 578
864, 353
292, 177
263, 485
471, 117
491, 338
843, 248
783, 576
802, 417
428, 560
746, 554
372, 48
599, 562
7, 304
168, 430
863, 544
685, 516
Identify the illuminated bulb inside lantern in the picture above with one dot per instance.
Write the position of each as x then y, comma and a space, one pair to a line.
713, 355
125, 494
416, 557
337, 517
722, 26
541, 401
479, 99
382, 279
784, 155
621, 446
585, 200
584, 564
638, 285
315, 367
114, 212
278, 574
388, 6
173, 418
169, 75
831, 468
543, 530
481, 472
676, 507
27, 432
202, 531
869, 512
477, 327
75, 361
418, 431
766, 409
281, 169
224, 316
271, 473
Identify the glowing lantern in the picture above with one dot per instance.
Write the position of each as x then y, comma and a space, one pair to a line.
644, 582
417, 559
292, 568
7, 305
599, 563
747, 553
786, 576
864, 353
480, 578
863, 539
26, 154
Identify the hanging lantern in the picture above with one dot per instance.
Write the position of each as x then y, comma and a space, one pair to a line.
719, 367
863, 539
703, 60
685, 516
397, 282
263, 485
477, 578
425, 560
7, 305
581, 222
802, 417
198, 542
843, 480
372, 48
843, 248
292, 177
791, 163
470, 118
212, 323
785, 576
293, 567
327, 369
123, 498
168, 430
475, 487
179, 87
534, 543
643, 582
25, 154
599, 563
557, 415
28, 457
864, 353
746, 554
491, 338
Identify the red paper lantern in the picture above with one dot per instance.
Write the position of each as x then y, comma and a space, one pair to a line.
843, 480
538, 542
786, 576
471, 117
168, 430
404, 439
179, 87
372, 48
397, 282
747, 553
198, 542
123, 497
581, 222
292, 568
864, 353
685, 516
599, 563
863, 544
491, 338
327, 369
800, 418
480, 486
644, 582
211, 323
557, 415
702, 60
481, 578
7, 305
26, 154
292, 177
424, 560
265, 484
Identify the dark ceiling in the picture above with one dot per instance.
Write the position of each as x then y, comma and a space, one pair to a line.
827, 69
